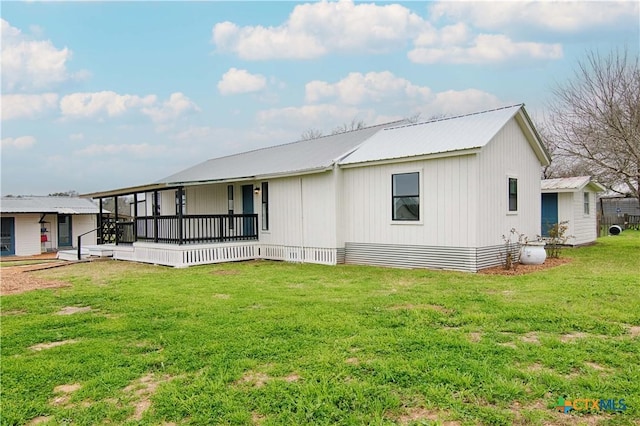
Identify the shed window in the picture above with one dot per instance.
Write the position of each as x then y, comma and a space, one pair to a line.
586, 202
406, 196
265, 206
513, 194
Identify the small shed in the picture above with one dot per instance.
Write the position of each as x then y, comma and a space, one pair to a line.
573, 200
33, 225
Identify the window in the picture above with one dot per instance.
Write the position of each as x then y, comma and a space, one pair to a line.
406, 196
513, 194
230, 204
181, 203
586, 202
265, 206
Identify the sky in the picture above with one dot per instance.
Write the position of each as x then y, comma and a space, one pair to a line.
106, 95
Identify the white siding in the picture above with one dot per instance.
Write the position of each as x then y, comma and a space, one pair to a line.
82, 223
302, 212
582, 227
447, 203
27, 234
508, 155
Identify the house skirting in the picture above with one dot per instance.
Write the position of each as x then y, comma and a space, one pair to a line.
181, 256
469, 259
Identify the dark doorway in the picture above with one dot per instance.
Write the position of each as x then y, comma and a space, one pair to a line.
247, 208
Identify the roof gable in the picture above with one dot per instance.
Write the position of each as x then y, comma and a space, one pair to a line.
570, 184
448, 135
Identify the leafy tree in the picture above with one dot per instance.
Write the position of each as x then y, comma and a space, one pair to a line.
594, 120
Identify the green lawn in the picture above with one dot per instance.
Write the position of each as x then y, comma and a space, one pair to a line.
279, 343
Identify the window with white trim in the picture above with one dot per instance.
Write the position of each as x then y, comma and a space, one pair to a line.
513, 194
586, 207
405, 196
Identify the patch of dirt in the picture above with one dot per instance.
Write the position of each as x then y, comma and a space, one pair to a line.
13, 312
221, 296
64, 392
526, 269
531, 337
143, 388
253, 378
410, 306
293, 377
257, 418
572, 336
421, 414
70, 310
634, 330
596, 366
352, 361
508, 345
17, 279
475, 337
43, 346
40, 419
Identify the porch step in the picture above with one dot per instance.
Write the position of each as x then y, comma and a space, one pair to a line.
85, 253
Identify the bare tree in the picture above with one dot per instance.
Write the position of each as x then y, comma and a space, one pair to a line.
347, 127
594, 120
310, 133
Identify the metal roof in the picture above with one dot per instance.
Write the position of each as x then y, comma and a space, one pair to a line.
432, 137
61, 205
570, 184
293, 158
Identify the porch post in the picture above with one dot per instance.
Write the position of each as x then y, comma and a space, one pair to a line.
135, 217
155, 216
100, 234
180, 213
115, 209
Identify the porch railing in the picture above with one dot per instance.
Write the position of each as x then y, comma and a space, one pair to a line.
191, 229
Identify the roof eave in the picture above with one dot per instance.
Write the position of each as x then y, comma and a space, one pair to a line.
532, 135
432, 156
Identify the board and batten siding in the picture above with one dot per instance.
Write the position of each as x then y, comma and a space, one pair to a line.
447, 203
302, 212
26, 234
507, 155
582, 227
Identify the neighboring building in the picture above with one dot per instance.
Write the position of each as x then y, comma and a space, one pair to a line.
33, 225
438, 194
572, 200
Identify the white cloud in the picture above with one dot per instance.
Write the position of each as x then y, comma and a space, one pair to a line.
322, 116
486, 48
314, 29
177, 105
456, 102
557, 16
358, 88
27, 106
28, 64
22, 142
144, 150
92, 104
76, 136
237, 81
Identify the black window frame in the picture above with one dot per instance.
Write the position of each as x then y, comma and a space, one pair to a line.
512, 191
264, 194
395, 197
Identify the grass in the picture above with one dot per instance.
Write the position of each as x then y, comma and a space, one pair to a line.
6, 263
278, 343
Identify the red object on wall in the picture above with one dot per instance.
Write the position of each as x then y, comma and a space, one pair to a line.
43, 238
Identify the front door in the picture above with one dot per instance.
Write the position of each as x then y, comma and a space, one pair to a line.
64, 230
7, 237
549, 212
247, 208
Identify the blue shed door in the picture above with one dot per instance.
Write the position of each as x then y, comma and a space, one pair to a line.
549, 212
7, 237
247, 208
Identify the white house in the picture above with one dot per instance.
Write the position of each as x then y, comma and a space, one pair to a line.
438, 194
572, 200
33, 225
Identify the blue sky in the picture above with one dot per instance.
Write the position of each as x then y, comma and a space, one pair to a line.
104, 95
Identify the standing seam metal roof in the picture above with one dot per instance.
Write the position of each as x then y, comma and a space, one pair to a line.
297, 157
569, 184
432, 137
61, 205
